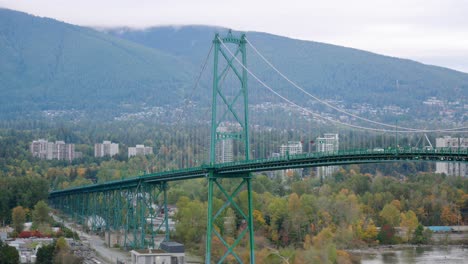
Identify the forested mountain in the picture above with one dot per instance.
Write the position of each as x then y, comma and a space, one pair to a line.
50, 65
325, 70
47, 64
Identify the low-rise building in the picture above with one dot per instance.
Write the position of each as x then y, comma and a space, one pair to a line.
4, 233
170, 253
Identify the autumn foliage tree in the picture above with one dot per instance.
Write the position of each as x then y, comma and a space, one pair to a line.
18, 218
409, 222
390, 215
449, 216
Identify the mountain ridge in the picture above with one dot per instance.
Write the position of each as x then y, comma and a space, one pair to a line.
53, 65
333, 67
58, 63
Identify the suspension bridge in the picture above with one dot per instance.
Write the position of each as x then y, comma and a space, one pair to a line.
127, 206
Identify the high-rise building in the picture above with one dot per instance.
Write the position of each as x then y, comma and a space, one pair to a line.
39, 148
107, 148
328, 143
49, 150
224, 147
139, 150
291, 148
451, 168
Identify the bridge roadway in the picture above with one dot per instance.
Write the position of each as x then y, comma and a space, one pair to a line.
236, 169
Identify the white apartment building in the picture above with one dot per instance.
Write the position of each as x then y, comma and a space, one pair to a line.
291, 148
107, 148
225, 151
139, 150
328, 143
49, 150
39, 148
224, 147
452, 168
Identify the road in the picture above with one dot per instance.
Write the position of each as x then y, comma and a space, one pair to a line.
105, 254
109, 255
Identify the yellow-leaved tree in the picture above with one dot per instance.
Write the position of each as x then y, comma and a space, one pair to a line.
409, 222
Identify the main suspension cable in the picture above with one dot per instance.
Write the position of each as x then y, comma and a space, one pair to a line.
337, 108
187, 101
318, 115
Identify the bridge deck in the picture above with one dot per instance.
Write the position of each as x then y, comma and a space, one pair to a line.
236, 169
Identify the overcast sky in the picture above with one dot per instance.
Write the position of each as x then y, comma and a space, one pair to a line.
430, 31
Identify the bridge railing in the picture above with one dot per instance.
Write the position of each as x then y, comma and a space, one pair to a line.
400, 150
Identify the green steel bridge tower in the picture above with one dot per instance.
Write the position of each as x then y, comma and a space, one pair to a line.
223, 107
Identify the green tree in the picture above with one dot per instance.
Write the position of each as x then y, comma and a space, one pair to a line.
8, 255
41, 213
61, 245
19, 218
5, 197
421, 236
390, 215
277, 212
323, 249
62, 254
296, 218
45, 254
191, 220
387, 234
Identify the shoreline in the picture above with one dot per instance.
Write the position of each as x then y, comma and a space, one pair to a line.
384, 248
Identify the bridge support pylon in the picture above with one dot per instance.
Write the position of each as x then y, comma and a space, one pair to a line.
220, 223
229, 126
142, 205
130, 214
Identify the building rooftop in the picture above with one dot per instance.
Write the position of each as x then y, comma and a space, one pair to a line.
172, 247
149, 251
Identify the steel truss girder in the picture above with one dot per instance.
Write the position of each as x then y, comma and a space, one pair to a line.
131, 210
340, 158
343, 157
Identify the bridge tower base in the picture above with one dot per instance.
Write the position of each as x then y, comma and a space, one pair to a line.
215, 183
